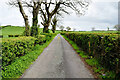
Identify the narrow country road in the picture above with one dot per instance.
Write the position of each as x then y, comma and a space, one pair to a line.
58, 60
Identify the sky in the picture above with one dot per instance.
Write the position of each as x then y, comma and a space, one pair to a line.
101, 14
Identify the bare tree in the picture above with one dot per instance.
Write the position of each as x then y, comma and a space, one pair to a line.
54, 23
18, 3
51, 7
35, 5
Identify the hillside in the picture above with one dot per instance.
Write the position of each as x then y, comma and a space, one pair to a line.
14, 30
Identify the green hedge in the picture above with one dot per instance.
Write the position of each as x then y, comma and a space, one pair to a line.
19, 53
14, 48
17, 47
104, 47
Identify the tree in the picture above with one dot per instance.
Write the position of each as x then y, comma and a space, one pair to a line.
68, 28
35, 5
117, 27
51, 7
61, 28
108, 28
18, 3
54, 24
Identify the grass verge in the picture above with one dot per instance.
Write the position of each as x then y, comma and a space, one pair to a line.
92, 63
18, 67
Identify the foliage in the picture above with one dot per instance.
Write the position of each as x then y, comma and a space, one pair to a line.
18, 67
68, 28
32, 47
17, 47
27, 31
61, 28
117, 27
13, 48
92, 62
103, 47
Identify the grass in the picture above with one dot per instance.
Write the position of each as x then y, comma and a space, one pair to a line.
94, 63
77, 49
18, 66
98, 31
16, 30
12, 30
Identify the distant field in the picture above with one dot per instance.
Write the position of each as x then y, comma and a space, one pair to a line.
15, 30
12, 30
101, 31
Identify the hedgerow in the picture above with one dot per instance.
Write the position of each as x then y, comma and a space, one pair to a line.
19, 53
104, 47
14, 48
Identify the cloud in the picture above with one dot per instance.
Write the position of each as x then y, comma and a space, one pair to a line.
101, 14
105, 0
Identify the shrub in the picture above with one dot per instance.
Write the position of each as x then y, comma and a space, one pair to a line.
17, 47
13, 48
19, 53
104, 47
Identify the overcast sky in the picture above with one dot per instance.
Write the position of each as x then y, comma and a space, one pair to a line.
100, 15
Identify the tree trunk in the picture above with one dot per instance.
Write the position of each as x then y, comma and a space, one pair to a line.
45, 29
27, 32
46, 25
35, 19
34, 28
27, 27
53, 28
53, 31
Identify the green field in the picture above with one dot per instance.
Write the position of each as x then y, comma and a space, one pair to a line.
98, 32
16, 30
12, 30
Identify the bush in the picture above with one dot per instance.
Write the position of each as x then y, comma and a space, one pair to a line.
40, 39
17, 68
104, 47
17, 47
14, 48
19, 53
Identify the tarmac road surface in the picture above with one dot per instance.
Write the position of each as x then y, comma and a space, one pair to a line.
58, 60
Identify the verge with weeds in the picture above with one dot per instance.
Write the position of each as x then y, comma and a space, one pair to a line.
98, 71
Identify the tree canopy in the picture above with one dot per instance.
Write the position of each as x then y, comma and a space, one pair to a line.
47, 9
